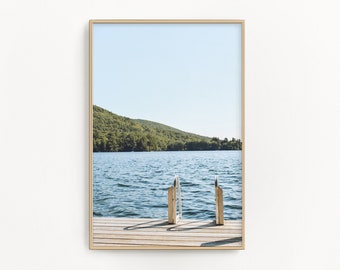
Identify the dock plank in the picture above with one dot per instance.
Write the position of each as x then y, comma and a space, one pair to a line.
151, 233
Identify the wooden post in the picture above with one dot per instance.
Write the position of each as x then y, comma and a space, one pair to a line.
172, 205
219, 204
174, 194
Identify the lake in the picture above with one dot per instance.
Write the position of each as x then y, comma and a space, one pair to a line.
135, 184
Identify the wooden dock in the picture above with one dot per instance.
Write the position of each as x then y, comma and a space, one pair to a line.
134, 233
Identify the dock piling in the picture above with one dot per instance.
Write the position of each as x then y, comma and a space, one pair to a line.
174, 197
219, 203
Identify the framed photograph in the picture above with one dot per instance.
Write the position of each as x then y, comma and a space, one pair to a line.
166, 134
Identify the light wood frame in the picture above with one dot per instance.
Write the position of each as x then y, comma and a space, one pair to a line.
166, 21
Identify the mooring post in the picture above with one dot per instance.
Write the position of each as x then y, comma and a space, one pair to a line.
179, 199
172, 204
174, 196
219, 203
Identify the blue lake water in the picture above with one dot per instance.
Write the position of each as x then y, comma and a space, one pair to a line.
135, 184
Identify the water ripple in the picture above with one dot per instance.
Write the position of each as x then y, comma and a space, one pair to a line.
136, 184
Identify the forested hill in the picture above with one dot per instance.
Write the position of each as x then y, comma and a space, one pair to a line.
114, 133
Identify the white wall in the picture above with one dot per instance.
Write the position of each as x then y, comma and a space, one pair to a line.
292, 132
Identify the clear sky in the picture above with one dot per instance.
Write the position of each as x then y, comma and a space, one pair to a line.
187, 76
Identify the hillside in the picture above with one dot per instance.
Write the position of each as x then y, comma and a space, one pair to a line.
115, 133
164, 128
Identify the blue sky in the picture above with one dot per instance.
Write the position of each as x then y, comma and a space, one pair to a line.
187, 76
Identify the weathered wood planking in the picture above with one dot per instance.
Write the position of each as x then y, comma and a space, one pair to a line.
135, 232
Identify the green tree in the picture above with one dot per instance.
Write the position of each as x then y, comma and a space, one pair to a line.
129, 143
142, 144
215, 144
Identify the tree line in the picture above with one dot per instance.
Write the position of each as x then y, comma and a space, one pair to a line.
114, 133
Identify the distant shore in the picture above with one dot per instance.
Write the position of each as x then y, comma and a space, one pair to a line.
115, 133
166, 151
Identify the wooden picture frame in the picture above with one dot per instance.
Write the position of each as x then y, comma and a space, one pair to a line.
138, 67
